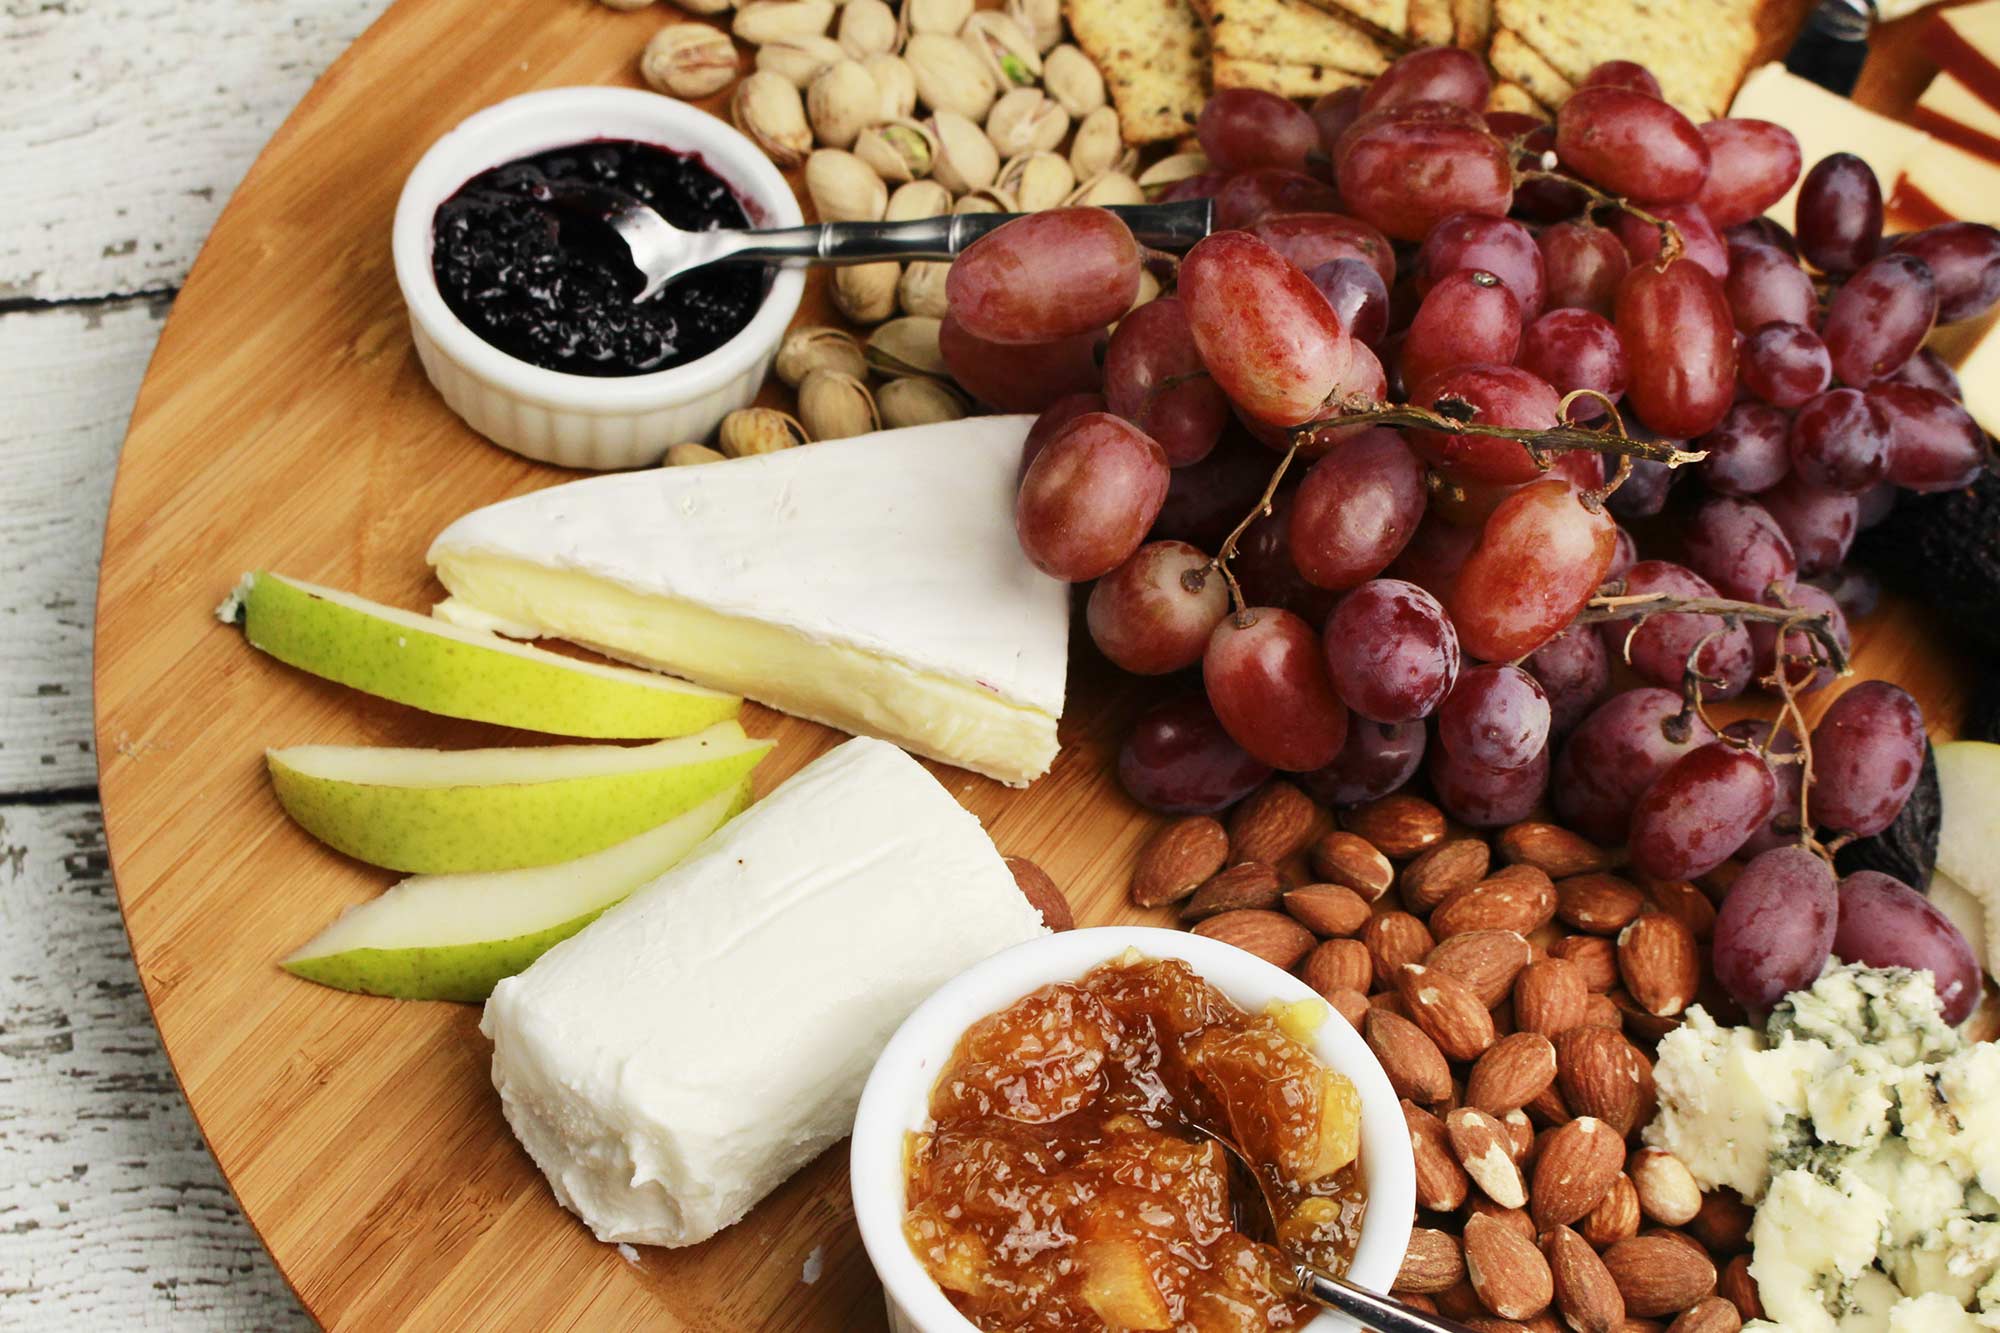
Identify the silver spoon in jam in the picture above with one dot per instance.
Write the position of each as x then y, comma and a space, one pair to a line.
1256, 1216
662, 252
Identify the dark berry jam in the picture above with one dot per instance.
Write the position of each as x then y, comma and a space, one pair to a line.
555, 290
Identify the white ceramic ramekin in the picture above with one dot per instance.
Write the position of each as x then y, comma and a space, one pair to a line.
897, 1096
580, 420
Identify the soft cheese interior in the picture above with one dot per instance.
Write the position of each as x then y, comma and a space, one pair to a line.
675, 1061
873, 584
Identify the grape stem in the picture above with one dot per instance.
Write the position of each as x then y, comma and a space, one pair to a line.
1671, 246
1454, 416
1227, 551
1623, 606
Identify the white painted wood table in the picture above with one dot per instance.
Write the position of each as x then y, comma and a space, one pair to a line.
124, 125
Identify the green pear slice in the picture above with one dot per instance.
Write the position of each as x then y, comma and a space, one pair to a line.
1969, 829
452, 937
444, 811
458, 672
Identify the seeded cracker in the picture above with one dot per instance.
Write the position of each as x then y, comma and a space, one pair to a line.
1698, 49
1509, 96
1430, 23
1520, 64
1388, 17
1154, 54
1291, 33
1286, 80
1471, 23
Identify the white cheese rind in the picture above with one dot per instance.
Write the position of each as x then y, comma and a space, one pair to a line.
675, 1061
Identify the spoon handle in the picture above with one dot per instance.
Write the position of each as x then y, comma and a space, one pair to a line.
1378, 1312
1172, 227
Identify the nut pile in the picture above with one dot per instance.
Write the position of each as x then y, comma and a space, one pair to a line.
1512, 990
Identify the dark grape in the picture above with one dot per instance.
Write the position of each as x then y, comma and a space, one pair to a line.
1765, 286
1496, 717
1856, 591
1264, 566
1737, 546
1582, 264
1785, 364
1020, 377
1617, 752
1839, 214
1839, 441
1045, 276
1700, 241
1659, 646
1549, 198
1782, 828
1751, 163
1934, 444
1644, 493
1390, 651
1776, 928
1879, 318
1467, 318
1334, 112
1928, 370
1179, 761
1499, 246
1539, 559
1886, 923
1802, 651
1267, 682
1307, 240
1264, 330
1964, 258
1090, 496
1622, 74
1700, 811
1201, 185
1871, 506
1359, 300
1485, 797
1405, 168
1378, 758
1052, 419
1249, 197
1155, 613
1623, 556
1435, 74
1819, 525
1435, 555
1631, 143
1356, 509
1681, 345
1498, 395
1243, 128
1746, 453
1575, 672
1868, 751
1154, 378
1764, 231
1575, 349
1206, 499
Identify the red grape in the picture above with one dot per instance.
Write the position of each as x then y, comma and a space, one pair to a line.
1359, 300
1242, 128
1201, 185
1751, 163
1698, 812
1659, 646
1539, 559
1583, 264
1549, 198
1879, 318
1206, 499
1265, 332
1964, 257
1681, 345
1736, 545
1179, 761
1575, 349
1785, 364
1154, 378
1631, 143
1617, 752
1266, 679
1020, 377
1356, 509
1334, 112
1390, 651
1819, 525
1622, 74
1154, 613
1498, 395
1500, 246
1090, 496
1839, 441
1802, 651
1264, 567
1644, 493
1487, 797
1575, 672
1045, 276
1700, 241
1435, 555
1928, 370
1767, 287
1495, 716
1378, 758
1767, 232
1868, 751
1746, 453
1469, 317
1934, 444
1776, 928
1249, 197
1052, 419
1436, 74
1886, 923
1308, 240
1839, 214
1405, 168
1782, 828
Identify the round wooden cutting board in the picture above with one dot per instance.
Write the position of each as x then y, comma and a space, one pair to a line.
285, 424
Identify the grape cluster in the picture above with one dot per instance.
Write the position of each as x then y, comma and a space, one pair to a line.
1355, 462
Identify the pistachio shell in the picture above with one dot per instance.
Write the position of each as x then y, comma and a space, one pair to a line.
625, 4
689, 60
843, 188
917, 401
759, 430
1073, 79
966, 158
899, 152
944, 16
797, 59
813, 347
835, 406
768, 108
866, 293
917, 199
687, 455
1038, 180
867, 28
1025, 121
1113, 187
1097, 145
1170, 170
895, 83
981, 201
763, 21
706, 7
907, 346
949, 75
1042, 20
1149, 289
1010, 55
841, 101
921, 290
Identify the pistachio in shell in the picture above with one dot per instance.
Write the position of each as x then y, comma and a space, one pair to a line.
896, 85
813, 347
1073, 79
1038, 180
917, 199
769, 109
1171, 171
841, 101
688, 60
1098, 144
899, 152
705, 7
867, 28
966, 158
688, 455
987, 199
1042, 20
907, 346
763, 21
918, 401
835, 406
797, 59
1113, 187
843, 188
949, 75
1025, 121
935, 16
1011, 56
759, 430
921, 291
625, 5
866, 293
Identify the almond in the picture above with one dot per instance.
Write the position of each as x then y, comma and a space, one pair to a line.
1508, 1273
1616, 1216
1598, 904
1399, 826
1548, 1108
1519, 899
1389, 1000
1328, 910
1556, 852
1442, 871
1603, 1075
1460, 1301
1661, 963
1549, 997
1441, 1182
1723, 1223
1510, 1074
1432, 1262
1396, 938
1248, 884
1351, 1005
1486, 960
1604, 1011
1515, 1219
1415, 1066
1714, 1315
1595, 957
1447, 1010
1336, 965
1483, 1148
1685, 903
1274, 822
1578, 1162
1177, 859
1658, 1275
1740, 1289
1041, 893
1272, 936
1520, 1134
1585, 1293
1350, 860
1628, 1014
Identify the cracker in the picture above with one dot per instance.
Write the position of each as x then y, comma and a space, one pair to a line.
1471, 24
1291, 32
1154, 55
1698, 49
1518, 63
1391, 18
1430, 22
1283, 79
1510, 96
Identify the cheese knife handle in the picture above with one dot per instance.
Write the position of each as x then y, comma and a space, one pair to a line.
1170, 227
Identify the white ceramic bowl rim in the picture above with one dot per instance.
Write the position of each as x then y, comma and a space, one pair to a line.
897, 1094
553, 118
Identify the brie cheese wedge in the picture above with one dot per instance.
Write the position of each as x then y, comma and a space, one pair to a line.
874, 584
674, 1061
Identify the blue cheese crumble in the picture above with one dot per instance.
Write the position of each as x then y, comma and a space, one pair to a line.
1867, 1133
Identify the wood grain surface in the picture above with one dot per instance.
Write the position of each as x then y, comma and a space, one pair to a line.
285, 424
